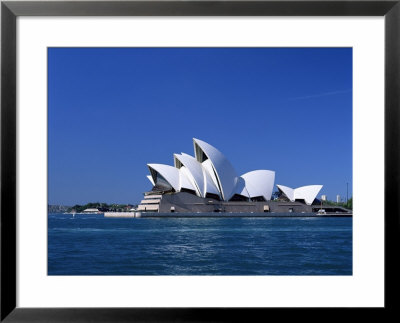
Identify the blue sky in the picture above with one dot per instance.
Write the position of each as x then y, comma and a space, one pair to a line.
113, 110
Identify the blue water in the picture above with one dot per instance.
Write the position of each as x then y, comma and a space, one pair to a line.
94, 245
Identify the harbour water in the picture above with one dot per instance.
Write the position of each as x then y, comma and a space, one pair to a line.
90, 244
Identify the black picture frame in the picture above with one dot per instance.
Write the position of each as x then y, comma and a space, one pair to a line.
10, 10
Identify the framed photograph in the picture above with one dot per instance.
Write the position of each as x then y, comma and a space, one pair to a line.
182, 160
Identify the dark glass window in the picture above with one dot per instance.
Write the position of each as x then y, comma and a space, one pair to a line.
213, 196
258, 199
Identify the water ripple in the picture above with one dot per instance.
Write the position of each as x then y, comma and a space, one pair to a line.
95, 245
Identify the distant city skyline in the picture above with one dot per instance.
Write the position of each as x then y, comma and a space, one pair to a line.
111, 111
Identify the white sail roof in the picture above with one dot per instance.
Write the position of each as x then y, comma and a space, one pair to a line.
209, 185
210, 172
176, 178
241, 188
169, 173
211, 181
224, 172
307, 193
288, 191
194, 168
260, 183
187, 181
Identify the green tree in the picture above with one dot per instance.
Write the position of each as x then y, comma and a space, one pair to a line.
349, 204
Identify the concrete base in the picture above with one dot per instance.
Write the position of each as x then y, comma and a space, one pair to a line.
183, 202
122, 214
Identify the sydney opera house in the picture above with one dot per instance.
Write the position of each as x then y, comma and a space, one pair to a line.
207, 182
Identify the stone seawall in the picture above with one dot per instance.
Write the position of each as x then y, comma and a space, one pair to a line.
242, 215
122, 214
